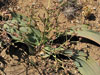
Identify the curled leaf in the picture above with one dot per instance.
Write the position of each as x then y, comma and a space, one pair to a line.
83, 31
86, 65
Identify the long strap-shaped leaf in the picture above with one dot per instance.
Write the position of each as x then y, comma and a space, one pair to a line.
87, 66
86, 33
89, 34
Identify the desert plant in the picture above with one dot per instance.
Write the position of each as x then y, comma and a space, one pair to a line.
21, 29
85, 64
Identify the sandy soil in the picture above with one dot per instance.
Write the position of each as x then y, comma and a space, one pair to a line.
47, 66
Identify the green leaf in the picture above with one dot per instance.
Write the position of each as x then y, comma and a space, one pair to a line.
89, 34
68, 52
86, 65
83, 31
21, 29
37, 32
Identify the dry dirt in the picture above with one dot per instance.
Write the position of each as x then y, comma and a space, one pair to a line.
47, 66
